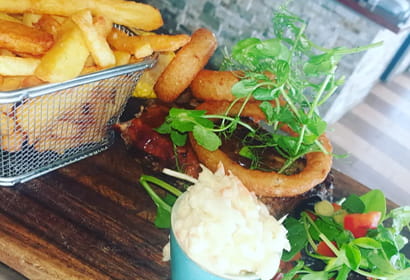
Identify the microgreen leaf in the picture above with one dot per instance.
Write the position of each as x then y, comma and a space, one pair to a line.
269, 112
316, 275
367, 243
282, 69
296, 236
206, 138
243, 88
374, 200
246, 152
262, 93
163, 217
353, 255
164, 128
270, 48
179, 139
400, 217
184, 120
326, 226
343, 273
354, 204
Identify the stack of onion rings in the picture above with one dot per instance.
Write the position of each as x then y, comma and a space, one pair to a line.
189, 60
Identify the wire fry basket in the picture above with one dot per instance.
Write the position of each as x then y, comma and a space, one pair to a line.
49, 126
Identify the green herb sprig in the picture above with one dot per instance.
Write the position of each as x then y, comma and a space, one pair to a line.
290, 75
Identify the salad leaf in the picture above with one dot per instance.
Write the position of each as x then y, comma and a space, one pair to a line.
354, 204
296, 236
164, 205
374, 200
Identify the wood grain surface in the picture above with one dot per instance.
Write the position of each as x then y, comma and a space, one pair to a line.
90, 220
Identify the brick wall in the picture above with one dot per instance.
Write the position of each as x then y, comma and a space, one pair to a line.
330, 24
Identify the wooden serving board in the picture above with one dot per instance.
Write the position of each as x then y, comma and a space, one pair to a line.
90, 220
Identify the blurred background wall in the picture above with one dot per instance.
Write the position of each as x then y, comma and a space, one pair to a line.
330, 23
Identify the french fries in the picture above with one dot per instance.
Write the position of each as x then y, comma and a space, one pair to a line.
54, 41
128, 13
51, 41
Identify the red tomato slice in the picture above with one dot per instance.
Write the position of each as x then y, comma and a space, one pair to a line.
324, 250
336, 206
360, 223
311, 215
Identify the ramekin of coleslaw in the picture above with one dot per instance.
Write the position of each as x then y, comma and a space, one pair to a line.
220, 230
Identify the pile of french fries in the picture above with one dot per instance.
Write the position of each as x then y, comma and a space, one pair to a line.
48, 41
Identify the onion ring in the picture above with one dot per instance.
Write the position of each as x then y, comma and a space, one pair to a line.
214, 85
189, 60
270, 184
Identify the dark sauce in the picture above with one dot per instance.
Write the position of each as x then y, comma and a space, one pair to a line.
267, 158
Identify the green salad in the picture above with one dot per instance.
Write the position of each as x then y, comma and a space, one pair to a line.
356, 235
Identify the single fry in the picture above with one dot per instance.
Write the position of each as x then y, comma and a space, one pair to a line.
96, 43
103, 25
6, 53
90, 69
66, 59
128, 13
11, 83
18, 66
5, 16
20, 38
31, 81
121, 57
163, 42
30, 19
143, 51
158, 42
48, 24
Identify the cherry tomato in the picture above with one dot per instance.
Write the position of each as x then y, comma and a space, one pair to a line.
324, 250
336, 207
360, 223
311, 215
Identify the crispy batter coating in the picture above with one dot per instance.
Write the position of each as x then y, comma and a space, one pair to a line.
214, 85
188, 61
270, 184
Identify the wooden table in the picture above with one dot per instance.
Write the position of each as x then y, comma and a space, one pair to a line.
90, 220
